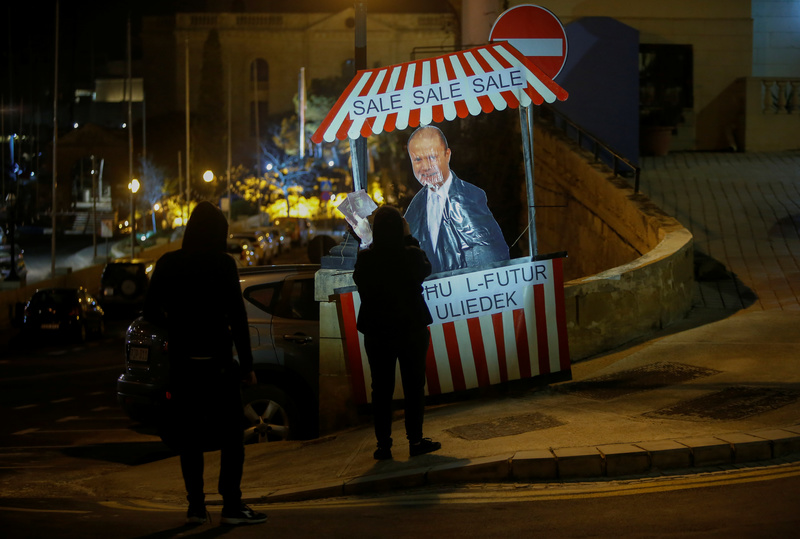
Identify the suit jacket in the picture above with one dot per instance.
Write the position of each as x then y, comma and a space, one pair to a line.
469, 235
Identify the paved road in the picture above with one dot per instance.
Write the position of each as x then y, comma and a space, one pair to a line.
759, 502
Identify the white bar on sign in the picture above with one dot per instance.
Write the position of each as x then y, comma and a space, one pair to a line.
538, 47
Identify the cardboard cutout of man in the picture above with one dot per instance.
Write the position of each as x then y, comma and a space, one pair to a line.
449, 217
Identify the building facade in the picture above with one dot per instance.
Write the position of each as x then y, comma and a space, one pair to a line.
263, 53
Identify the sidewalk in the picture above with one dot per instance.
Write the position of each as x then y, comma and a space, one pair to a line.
721, 388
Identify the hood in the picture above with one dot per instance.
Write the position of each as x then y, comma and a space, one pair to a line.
207, 229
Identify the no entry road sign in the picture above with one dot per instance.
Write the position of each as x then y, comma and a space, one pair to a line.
536, 33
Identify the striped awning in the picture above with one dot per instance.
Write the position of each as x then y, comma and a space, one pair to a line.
457, 85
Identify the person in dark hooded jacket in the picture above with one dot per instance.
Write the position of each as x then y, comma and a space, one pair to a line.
194, 293
394, 320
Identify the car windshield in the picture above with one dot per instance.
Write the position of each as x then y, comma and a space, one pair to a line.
248, 237
235, 247
120, 271
54, 298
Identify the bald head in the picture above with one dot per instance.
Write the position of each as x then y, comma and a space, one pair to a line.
430, 156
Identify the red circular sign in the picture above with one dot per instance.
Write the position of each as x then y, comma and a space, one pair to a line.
536, 33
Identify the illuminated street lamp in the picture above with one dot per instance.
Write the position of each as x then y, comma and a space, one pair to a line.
208, 176
134, 187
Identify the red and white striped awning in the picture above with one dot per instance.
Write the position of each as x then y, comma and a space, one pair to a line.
469, 82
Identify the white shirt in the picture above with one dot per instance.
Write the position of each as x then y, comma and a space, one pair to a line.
437, 198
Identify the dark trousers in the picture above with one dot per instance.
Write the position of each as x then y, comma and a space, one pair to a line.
230, 475
207, 416
383, 353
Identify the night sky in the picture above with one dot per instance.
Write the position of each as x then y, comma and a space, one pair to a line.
93, 32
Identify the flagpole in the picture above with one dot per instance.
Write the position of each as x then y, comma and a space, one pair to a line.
55, 157
188, 112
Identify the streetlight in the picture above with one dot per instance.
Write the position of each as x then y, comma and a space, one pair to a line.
11, 210
208, 176
134, 187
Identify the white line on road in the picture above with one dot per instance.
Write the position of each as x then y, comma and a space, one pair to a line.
22, 432
26, 510
59, 401
61, 374
25, 406
70, 431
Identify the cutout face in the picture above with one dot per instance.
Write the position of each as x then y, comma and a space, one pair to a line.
430, 159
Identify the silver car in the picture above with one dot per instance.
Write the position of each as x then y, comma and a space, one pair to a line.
284, 334
258, 242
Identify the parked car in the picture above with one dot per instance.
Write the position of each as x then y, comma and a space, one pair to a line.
299, 230
284, 335
242, 252
124, 283
63, 312
5, 262
281, 238
260, 242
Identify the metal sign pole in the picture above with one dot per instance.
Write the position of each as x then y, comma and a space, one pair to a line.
526, 128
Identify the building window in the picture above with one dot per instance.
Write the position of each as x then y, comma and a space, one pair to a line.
666, 86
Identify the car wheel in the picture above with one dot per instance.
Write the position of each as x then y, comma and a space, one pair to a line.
269, 414
128, 288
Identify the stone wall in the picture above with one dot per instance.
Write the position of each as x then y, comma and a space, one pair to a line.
629, 269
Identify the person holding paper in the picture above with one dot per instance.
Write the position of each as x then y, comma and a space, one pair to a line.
449, 217
394, 320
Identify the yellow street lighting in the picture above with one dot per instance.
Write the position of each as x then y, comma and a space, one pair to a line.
208, 176
156, 206
134, 187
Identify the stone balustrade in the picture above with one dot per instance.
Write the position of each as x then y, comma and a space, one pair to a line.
780, 96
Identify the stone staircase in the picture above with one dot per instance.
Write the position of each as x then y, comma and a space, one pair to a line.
82, 224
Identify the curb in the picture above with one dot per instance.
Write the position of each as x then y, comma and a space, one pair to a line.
572, 463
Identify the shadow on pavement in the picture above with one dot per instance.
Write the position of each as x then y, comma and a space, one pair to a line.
184, 531
128, 453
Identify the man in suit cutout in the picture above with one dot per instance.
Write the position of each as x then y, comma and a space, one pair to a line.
449, 217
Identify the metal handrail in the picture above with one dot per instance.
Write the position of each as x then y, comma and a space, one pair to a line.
597, 144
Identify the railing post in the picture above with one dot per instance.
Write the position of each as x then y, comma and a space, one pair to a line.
794, 98
767, 85
781, 97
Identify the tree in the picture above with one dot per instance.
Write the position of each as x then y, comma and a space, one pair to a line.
286, 172
152, 189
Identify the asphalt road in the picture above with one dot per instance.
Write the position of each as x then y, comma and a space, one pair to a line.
60, 414
744, 503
